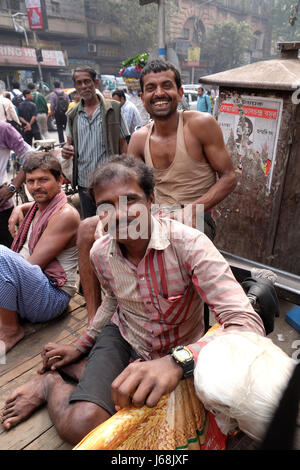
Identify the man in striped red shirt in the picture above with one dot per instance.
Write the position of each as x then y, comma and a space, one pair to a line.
156, 274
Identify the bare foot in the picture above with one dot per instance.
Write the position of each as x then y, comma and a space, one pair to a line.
25, 400
11, 336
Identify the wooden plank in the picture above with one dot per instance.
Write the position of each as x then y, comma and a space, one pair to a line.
23, 361
49, 440
37, 425
32, 345
35, 362
22, 435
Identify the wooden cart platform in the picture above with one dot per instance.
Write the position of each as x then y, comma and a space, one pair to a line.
22, 363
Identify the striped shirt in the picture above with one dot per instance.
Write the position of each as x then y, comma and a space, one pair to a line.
158, 304
91, 147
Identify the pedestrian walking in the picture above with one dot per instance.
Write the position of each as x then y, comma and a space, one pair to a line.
27, 115
59, 106
203, 101
16, 94
42, 110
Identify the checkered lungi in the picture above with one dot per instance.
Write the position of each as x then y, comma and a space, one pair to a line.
24, 288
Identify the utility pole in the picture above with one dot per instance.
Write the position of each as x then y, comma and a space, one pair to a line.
162, 51
38, 62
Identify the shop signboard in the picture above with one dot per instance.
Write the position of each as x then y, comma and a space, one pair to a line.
26, 56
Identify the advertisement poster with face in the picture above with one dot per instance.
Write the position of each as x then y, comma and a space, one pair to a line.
250, 128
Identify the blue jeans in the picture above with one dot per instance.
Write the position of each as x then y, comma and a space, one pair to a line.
24, 288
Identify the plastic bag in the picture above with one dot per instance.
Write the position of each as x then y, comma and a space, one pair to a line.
240, 377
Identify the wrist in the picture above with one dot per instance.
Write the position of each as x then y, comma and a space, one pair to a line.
184, 359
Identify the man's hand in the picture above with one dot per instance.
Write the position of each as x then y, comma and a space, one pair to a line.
67, 151
15, 220
58, 355
5, 194
144, 383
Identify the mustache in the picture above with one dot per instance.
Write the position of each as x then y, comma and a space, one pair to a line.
38, 192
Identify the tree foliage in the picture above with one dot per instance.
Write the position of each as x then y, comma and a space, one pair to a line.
137, 24
227, 45
284, 21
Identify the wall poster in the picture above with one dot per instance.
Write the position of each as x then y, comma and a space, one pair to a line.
251, 129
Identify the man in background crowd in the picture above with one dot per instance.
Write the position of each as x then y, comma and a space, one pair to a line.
16, 94
203, 101
129, 110
10, 139
42, 110
27, 115
59, 101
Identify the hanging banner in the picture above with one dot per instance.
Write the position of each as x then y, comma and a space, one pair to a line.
252, 128
35, 14
193, 56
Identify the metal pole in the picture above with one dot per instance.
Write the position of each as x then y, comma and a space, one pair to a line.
162, 52
38, 64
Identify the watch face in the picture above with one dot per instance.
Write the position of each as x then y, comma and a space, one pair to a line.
182, 355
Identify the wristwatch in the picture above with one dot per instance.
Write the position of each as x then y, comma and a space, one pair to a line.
183, 356
12, 187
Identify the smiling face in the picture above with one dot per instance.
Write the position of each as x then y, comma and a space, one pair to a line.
85, 85
161, 95
124, 209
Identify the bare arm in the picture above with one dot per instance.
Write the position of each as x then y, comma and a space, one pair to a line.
59, 234
17, 217
122, 146
137, 143
210, 136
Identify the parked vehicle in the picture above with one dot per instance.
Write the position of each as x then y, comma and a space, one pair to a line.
191, 97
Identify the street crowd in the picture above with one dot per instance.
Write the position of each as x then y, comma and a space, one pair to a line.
147, 291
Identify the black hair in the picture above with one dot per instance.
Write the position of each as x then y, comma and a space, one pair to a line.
31, 86
249, 122
56, 84
159, 65
119, 93
43, 161
123, 166
87, 69
15, 85
26, 92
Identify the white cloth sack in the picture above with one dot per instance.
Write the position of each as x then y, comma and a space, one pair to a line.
240, 377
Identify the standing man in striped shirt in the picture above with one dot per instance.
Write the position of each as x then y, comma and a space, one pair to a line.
95, 130
156, 273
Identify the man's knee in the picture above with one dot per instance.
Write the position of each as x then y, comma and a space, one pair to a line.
84, 417
86, 232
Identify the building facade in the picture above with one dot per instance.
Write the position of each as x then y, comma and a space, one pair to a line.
74, 36
189, 26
